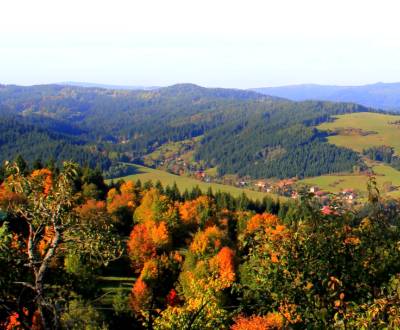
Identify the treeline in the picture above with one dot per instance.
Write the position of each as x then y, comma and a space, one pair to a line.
194, 260
248, 146
384, 154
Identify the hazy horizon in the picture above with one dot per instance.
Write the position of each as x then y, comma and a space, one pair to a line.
233, 44
100, 84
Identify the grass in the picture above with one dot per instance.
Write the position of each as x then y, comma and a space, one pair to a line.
385, 133
171, 149
145, 174
111, 285
336, 183
359, 131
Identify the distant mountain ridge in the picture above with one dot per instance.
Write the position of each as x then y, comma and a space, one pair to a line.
106, 86
384, 96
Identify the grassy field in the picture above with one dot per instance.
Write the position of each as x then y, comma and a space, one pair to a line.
381, 130
111, 285
358, 131
145, 173
336, 183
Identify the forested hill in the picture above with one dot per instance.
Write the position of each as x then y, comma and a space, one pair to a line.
380, 95
240, 131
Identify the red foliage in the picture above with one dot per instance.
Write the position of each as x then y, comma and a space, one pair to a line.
172, 298
37, 321
140, 246
140, 296
12, 322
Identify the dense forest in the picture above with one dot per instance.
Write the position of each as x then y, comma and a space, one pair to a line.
194, 261
240, 132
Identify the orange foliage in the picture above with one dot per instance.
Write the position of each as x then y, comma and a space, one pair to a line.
159, 233
46, 239
140, 246
91, 207
271, 225
224, 262
278, 233
127, 188
261, 220
46, 176
177, 257
111, 194
126, 198
274, 257
149, 271
7, 197
12, 322
290, 313
352, 240
190, 210
140, 295
210, 238
255, 322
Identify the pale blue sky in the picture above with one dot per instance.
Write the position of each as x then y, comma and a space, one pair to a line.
225, 43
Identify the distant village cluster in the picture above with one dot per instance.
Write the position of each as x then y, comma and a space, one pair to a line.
177, 163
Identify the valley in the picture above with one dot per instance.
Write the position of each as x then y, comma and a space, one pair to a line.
231, 140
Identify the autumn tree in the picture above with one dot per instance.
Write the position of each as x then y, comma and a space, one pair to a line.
43, 205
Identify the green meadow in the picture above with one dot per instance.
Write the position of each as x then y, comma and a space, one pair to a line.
378, 129
145, 174
336, 183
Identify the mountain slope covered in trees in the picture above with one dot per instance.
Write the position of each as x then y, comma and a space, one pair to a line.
240, 132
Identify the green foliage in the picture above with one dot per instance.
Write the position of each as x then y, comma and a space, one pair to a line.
80, 315
248, 144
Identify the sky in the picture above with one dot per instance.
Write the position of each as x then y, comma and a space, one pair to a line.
219, 43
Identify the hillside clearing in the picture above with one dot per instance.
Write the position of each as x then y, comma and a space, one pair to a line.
362, 130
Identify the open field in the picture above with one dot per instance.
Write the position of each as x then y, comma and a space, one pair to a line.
362, 130
145, 173
336, 183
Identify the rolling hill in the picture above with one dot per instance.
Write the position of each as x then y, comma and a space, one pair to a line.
380, 96
237, 131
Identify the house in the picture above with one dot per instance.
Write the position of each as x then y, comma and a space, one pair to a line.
320, 193
349, 195
261, 184
314, 189
286, 182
